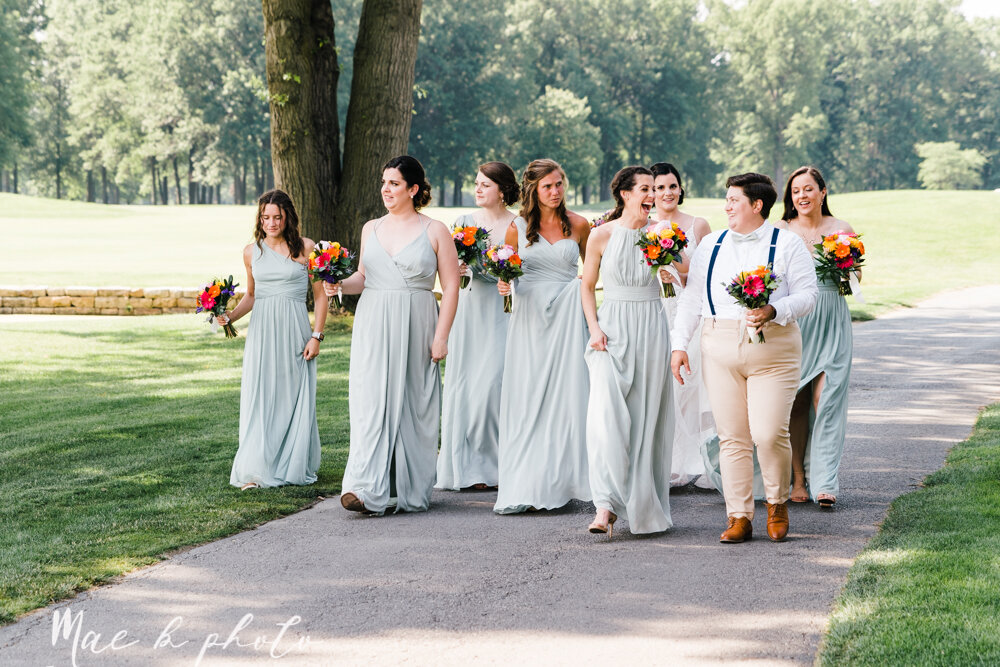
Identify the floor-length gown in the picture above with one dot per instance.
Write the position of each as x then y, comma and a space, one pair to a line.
693, 422
630, 419
543, 401
279, 438
470, 414
827, 347
394, 387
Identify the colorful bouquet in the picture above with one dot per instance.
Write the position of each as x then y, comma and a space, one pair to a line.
470, 242
330, 263
752, 289
213, 300
504, 263
601, 219
662, 244
839, 257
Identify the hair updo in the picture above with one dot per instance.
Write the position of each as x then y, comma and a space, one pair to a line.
505, 178
624, 181
413, 174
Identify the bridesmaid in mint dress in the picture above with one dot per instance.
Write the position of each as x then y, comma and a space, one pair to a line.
279, 439
470, 424
630, 415
818, 424
543, 401
398, 339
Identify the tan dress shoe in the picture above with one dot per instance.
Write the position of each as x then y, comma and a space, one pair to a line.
777, 521
740, 530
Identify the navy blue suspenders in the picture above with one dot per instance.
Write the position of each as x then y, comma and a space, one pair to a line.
715, 253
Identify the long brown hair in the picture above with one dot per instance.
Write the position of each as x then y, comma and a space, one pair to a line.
530, 208
291, 231
790, 211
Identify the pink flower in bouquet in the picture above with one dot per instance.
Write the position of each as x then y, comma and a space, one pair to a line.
207, 302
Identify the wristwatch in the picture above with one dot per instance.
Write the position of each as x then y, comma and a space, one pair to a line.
318, 335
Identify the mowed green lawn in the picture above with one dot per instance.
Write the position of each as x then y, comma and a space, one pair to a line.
116, 440
918, 242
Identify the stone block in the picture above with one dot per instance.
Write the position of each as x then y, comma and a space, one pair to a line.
126, 311
190, 293
107, 311
82, 311
55, 291
147, 311
140, 302
20, 311
55, 301
8, 291
189, 303
177, 311
31, 291
81, 291
42, 311
115, 302
6, 311
82, 301
113, 291
137, 292
164, 302
19, 301
156, 292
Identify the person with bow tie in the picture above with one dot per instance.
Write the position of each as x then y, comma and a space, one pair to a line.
751, 385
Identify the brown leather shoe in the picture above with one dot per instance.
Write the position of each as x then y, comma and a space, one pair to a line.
740, 530
351, 502
777, 521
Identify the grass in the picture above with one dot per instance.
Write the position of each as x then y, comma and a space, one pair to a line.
116, 440
926, 590
918, 242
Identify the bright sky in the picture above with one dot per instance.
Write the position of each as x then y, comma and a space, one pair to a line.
972, 8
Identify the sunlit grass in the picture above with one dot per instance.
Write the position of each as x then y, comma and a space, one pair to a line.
116, 440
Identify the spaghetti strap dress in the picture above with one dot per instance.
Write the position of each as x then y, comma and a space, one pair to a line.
394, 388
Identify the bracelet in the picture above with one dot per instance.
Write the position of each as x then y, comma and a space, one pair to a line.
318, 335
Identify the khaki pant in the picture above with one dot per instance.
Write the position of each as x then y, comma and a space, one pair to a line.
751, 387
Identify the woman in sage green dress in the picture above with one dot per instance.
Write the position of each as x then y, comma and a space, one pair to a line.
630, 414
398, 339
470, 424
279, 438
818, 423
543, 401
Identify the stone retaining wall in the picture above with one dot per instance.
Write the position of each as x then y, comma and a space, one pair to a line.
101, 300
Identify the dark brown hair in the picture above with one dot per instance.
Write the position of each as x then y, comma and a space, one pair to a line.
757, 187
530, 208
664, 168
291, 231
623, 181
790, 211
413, 174
505, 178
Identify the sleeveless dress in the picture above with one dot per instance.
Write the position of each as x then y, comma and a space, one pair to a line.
827, 347
630, 421
470, 419
394, 389
693, 419
543, 401
279, 438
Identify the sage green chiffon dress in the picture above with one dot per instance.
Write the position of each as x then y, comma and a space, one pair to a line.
470, 416
543, 401
827, 348
279, 438
394, 388
630, 414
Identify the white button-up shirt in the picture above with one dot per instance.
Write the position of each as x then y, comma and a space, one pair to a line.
794, 297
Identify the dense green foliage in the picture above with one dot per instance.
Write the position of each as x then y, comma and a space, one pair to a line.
166, 102
924, 591
118, 437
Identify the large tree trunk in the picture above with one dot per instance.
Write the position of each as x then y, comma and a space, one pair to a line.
104, 184
192, 185
378, 119
177, 182
91, 187
15, 177
302, 74
456, 194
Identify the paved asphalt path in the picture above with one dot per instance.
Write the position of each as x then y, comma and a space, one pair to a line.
460, 585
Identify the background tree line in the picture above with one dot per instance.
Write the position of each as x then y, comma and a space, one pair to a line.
170, 101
